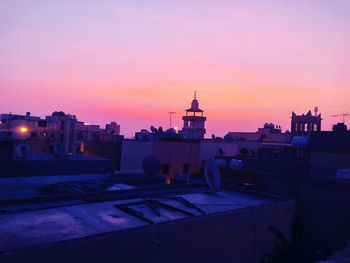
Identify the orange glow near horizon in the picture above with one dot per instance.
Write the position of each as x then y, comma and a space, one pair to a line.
23, 129
250, 62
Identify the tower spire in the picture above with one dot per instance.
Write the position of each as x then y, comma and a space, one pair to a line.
195, 94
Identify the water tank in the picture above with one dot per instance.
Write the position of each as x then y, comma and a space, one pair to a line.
236, 164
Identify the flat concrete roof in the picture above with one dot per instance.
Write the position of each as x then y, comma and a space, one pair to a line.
36, 228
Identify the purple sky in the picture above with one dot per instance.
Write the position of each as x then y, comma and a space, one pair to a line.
132, 62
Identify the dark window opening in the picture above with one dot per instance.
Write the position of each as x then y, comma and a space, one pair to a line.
42, 123
61, 137
62, 125
52, 135
244, 151
33, 134
165, 168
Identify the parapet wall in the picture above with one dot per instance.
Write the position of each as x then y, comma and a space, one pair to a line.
24, 168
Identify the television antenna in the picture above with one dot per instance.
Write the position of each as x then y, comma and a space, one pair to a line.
170, 114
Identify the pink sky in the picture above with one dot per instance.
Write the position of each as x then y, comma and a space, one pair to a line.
251, 62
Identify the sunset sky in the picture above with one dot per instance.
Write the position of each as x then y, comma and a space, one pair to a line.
132, 62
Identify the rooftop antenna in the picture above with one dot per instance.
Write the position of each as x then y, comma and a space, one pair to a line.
170, 114
316, 110
195, 94
344, 115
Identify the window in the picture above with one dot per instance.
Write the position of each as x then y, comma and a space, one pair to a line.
186, 168
33, 134
42, 123
52, 135
165, 168
61, 137
244, 151
62, 125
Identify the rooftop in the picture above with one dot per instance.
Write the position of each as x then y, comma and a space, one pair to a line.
36, 228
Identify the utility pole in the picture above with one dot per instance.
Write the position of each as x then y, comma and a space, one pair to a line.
8, 125
170, 114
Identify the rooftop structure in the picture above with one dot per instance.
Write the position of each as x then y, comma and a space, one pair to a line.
269, 133
305, 124
169, 227
194, 121
59, 127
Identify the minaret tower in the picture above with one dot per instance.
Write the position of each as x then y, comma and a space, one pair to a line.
194, 121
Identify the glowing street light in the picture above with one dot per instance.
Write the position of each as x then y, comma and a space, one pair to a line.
23, 129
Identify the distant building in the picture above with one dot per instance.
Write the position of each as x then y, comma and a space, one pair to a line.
194, 124
318, 156
250, 142
329, 152
42, 134
305, 124
269, 133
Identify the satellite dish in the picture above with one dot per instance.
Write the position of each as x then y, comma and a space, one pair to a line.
170, 132
160, 130
150, 165
236, 164
153, 129
22, 151
220, 163
58, 148
212, 175
213, 137
228, 138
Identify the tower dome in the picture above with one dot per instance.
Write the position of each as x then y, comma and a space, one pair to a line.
194, 104
194, 121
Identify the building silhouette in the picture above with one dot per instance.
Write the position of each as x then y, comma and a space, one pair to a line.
194, 121
305, 124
